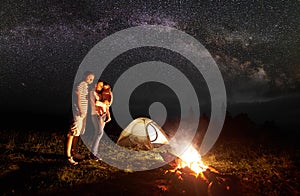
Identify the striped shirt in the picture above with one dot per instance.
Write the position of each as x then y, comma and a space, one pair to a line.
82, 89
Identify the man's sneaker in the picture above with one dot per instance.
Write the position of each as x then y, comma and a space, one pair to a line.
78, 156
71, 161
95, 158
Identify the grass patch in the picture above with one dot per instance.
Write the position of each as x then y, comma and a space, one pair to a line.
268, 169
34, 162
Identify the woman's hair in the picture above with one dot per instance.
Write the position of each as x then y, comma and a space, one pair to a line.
98, 91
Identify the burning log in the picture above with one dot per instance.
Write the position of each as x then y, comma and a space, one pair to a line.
207, 182
195, 178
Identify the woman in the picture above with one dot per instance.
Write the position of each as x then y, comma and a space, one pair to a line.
100, 93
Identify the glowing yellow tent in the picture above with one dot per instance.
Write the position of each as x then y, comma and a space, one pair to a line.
142, 134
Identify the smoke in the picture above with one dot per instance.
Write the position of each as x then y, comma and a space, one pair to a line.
184, 137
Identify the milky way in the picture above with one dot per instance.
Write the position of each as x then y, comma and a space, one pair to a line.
255, 44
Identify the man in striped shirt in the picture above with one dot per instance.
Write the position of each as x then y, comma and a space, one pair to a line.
80, 108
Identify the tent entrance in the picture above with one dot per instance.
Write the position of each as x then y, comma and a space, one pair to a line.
152, 132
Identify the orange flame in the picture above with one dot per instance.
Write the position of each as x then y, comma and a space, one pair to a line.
192, 159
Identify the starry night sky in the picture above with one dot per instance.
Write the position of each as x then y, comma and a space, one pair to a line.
256, 45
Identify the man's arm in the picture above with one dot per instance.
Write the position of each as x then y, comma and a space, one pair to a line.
79, 102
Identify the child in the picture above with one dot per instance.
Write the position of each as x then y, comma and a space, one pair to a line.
103, 109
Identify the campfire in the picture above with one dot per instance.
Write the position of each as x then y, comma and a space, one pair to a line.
191, 176
191, 159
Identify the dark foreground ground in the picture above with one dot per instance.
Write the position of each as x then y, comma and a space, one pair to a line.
32, 162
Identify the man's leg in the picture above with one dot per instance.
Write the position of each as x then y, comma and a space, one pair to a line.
80, 126
69, 142
74, 151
